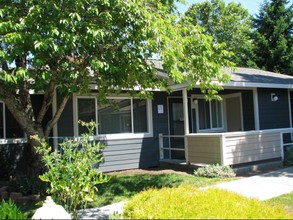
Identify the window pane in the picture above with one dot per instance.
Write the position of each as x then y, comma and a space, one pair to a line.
216, 114
86, 112
140, 116
13, 129
204, 114
115, 118
1, 121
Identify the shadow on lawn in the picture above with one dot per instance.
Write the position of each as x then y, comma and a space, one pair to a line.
122, 187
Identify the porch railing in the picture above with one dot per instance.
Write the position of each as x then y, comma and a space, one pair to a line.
166, 148
230, 147
286, 141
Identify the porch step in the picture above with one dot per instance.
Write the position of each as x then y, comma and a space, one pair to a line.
254, 169
240, 170
179, 165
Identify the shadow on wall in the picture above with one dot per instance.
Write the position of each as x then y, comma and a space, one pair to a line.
12, 160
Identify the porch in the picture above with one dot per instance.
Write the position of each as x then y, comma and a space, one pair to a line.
228, 148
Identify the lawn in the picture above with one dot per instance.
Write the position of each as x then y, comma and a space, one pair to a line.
124, 186
285, 200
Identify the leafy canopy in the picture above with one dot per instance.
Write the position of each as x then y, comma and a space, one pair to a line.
72, 43
230, 24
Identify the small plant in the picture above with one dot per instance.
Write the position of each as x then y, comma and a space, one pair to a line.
288, 156
71, 171
215, 171
8, 210
188, 202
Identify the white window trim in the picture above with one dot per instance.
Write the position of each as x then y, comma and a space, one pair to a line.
114, 136
198, 130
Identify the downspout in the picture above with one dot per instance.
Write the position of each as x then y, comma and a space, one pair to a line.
186, 122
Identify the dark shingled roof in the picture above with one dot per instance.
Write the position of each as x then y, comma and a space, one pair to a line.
250, 75
247, 77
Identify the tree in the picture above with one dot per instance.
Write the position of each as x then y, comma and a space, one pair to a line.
230, 24
64, 46
273, 37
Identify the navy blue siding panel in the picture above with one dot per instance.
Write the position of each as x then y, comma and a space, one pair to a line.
273, 114
65, 123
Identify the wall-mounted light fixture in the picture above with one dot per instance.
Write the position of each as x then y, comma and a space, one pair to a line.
195, 101
274, 97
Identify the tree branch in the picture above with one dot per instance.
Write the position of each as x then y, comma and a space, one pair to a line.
48, 98
56, 117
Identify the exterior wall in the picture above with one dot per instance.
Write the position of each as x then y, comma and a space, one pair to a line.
234, 147
204, 149
126, 153
250, 147
273, 114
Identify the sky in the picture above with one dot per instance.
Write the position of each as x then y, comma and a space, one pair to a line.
253, 6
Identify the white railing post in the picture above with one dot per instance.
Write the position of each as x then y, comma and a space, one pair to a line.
161, 146
282, 145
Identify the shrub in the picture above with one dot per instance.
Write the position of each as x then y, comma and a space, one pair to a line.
187, 201
8, 210
288, 156
71, 171
215, 171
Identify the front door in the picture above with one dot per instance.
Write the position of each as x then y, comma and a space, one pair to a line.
234, 113
176, 126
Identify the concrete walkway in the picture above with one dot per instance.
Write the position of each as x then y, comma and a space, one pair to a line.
102, 212
264, 186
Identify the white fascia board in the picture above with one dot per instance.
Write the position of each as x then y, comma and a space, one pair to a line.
257, 85
239, 85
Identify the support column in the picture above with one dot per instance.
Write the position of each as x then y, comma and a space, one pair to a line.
186, 122
256, 110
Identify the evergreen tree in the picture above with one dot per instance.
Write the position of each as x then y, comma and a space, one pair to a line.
273, 37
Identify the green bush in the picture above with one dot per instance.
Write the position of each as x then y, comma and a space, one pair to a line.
187, 201
71, 173
288, 156
8, 210
215, 171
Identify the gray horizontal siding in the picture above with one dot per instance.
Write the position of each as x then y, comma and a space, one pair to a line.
130, 154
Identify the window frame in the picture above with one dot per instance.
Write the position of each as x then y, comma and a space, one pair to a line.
116, 136
211, 129
6, 140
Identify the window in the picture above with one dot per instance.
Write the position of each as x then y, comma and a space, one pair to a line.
210, 114
9, 128
120, 116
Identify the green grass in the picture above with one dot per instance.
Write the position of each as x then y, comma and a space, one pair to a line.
186, 201
124, 186
285, 200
